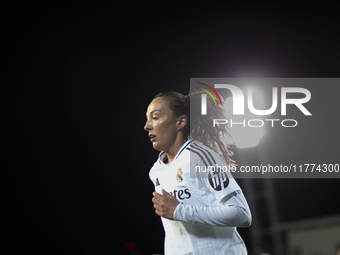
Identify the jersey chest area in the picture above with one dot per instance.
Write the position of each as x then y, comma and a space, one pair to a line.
174, 179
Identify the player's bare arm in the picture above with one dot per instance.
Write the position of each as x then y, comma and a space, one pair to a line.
165, 204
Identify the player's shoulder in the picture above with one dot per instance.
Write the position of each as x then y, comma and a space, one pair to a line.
204, 154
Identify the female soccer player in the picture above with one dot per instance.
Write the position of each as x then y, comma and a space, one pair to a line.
200, 210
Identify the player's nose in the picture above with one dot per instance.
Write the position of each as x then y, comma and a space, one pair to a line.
147, 126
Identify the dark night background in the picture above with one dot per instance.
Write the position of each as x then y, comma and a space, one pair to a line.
76, 80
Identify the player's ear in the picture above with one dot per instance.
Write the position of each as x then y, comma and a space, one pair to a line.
181, 122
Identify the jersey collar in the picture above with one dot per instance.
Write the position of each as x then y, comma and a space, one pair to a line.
162, 154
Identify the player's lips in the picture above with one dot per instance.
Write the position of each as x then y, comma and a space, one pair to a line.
152, 137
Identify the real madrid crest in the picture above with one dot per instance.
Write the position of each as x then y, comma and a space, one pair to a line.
179, 175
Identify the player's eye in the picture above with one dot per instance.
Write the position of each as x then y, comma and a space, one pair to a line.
155, 118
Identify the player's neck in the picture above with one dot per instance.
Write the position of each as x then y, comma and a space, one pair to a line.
172, 152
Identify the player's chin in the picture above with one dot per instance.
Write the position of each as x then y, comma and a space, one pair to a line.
156, 146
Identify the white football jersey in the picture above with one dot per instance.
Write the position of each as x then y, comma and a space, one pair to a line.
196, 188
